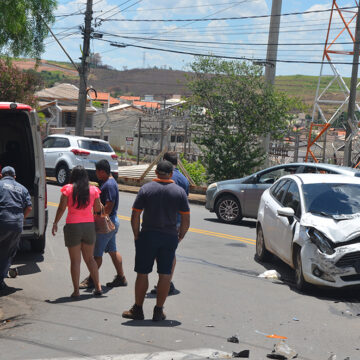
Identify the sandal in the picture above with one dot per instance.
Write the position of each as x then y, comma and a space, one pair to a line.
97, 292
75, 295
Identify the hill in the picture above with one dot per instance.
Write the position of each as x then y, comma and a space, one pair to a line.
157, 82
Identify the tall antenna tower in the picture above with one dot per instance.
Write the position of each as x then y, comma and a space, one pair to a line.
332, 93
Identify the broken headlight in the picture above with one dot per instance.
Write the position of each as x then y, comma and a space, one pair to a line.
320, 240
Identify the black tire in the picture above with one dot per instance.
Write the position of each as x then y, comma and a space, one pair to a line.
62, 174
228, 209
300, 282
38, 245
262, 254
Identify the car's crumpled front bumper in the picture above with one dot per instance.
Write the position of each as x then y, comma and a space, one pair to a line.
337, 270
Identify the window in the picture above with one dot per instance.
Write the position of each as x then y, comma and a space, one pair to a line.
292, 199
61, 143
48, 142
93, 145
280, 190
316, 170
270, 177
274, 189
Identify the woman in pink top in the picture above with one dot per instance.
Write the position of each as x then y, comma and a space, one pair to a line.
79, 231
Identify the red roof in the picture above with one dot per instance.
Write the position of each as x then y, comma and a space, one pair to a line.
6, 106
148, 104
130, 98
104, 97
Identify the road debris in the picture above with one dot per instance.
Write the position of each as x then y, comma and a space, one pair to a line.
210, 325
332, 357
271, 336
233, 339
295, 319
282, 351
241, 354
270, 274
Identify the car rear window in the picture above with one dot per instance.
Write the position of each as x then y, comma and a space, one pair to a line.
94, 145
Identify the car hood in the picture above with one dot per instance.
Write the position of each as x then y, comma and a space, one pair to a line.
336, 230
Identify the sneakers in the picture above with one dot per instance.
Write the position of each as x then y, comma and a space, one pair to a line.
118, 281
13, 272
135, 313
87, 283
158, 314
172, 289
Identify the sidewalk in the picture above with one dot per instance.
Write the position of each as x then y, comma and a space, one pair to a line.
193, 198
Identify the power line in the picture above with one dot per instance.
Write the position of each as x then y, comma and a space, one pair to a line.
227, 18
260, 60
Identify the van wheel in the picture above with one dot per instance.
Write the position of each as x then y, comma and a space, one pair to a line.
38, 245
62, 175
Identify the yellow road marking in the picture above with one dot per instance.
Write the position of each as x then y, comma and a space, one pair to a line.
194, 230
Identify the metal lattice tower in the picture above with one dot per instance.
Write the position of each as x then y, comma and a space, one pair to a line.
328, 106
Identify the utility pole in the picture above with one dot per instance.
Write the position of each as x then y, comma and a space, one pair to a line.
271, 57
162, 126
351, 120
83, 73
139, 137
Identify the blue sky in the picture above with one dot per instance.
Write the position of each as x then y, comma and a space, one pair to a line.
224, 37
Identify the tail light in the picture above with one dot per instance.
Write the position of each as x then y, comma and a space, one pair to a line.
114, 157
79, 152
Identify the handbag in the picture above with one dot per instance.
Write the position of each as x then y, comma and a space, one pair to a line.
103, 224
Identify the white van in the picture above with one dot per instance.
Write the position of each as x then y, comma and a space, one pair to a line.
21, 148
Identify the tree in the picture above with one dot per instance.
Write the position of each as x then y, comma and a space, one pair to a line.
232, 109
16, 85
95, 60
22, 31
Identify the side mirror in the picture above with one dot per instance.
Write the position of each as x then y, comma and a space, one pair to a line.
287, 212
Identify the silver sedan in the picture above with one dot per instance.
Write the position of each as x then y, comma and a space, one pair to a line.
232, 200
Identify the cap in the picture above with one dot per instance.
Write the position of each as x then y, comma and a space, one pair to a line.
9, 170
164, 167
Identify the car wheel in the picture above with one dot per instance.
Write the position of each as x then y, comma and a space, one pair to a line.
62, 175
38, 245
228, 209
300, 282
262, 254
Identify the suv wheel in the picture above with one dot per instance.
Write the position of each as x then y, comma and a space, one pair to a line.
62, 175
300, 282
228, 209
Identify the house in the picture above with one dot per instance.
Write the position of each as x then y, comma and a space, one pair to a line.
59, 105
104, 98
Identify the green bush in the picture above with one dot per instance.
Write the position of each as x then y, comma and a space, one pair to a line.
195, 169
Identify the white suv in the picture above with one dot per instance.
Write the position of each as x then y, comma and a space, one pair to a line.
63, 152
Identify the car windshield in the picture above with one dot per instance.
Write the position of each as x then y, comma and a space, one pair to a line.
332, 199
94, 145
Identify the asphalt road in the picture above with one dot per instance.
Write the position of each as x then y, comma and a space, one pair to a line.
220, 296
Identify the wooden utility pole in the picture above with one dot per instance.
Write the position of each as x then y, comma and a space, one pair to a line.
83, 73
271, 57
351, 120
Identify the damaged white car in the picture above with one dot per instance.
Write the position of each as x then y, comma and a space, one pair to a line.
312, 222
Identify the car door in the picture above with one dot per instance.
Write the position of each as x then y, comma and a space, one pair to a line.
287, 226
48, 154
55, 149
261, 182
270, 219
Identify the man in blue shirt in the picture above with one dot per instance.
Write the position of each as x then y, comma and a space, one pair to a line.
161, 200
107, 242
183, 182
15, 206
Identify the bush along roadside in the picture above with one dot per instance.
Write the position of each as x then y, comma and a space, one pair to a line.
195, 169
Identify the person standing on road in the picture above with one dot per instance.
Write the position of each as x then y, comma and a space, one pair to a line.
79, 231
107, 242
15, 206
183, 182
161, 200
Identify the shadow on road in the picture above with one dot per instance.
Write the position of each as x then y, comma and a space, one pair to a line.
27, 262
150, 323
151, 295
247, 223
9, 290
349, 294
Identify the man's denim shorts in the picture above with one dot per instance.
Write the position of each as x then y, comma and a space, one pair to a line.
153, 245
107, 242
